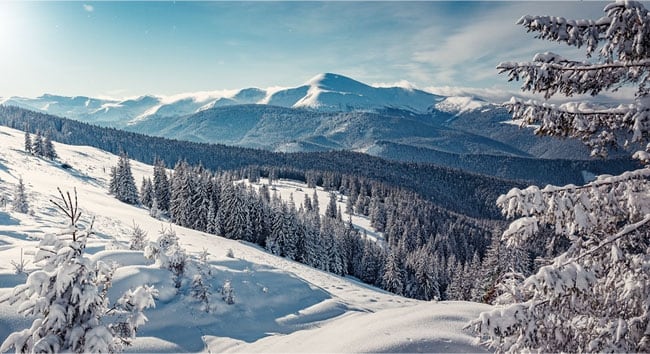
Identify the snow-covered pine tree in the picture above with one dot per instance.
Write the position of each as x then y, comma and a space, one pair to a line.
37, 147
330, 211
227, 293
28, 141
112, 180
122, 183
371, 263
161, 185
20, 203
182, 194
68, 297
168, 254
595, 296
48, 147
201, 292
138, 238
393, 277
146, 192
211, 228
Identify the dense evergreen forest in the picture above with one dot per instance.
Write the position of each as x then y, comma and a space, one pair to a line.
462, 192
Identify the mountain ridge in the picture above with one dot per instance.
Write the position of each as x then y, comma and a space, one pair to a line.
324, 92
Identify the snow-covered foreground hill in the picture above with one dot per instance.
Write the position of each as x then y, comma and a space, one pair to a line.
280, 305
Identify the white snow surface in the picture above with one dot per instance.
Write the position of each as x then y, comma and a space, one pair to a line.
461, 104
280, 305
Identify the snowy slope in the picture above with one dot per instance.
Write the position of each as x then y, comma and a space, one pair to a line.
461, 104
280, 305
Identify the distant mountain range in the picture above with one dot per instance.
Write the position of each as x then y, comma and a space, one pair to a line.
329, 112
324, 93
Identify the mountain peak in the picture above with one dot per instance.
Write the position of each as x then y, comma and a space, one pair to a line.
336, 82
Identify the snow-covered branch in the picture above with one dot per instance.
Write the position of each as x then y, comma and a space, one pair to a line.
598, 127
625, 29
591, 209
550, 74
628, 229
572, 32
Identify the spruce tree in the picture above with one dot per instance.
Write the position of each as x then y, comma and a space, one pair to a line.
161, 187
122, 183
28, 142
331, 209
393, 277
20, 203
146, 192
48, 147
37, 146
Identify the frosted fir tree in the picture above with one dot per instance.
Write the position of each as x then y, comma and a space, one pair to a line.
168, 254
48, 147
20, 203
68, 297
595, 296
122, 183
138, 238
393, 277
28, 141
146, 192
161, 185
201, 292
227, 293
37, 146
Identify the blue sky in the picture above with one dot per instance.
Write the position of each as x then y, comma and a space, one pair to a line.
121, 49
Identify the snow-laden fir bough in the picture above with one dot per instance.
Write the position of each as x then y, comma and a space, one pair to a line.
595, 297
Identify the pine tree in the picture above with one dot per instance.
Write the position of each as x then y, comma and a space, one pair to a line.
201, 292
146, 192
393, 277
183, 195
330, 211
212, 227
68, 297
371, 260
228, 293
20, 203
48, 147
168, 254
138, 238
122, 183
37, 147
28, 142
112, 180
377, 214
595, 296
161, 185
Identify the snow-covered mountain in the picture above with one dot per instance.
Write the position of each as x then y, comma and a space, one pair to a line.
337, 93
324, 93
280, 305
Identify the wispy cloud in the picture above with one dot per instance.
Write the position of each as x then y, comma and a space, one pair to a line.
402, 83
88, 8
471, 48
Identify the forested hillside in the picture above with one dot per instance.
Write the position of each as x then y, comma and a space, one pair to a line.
458, 191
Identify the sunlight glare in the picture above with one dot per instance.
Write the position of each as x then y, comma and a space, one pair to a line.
9, 29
